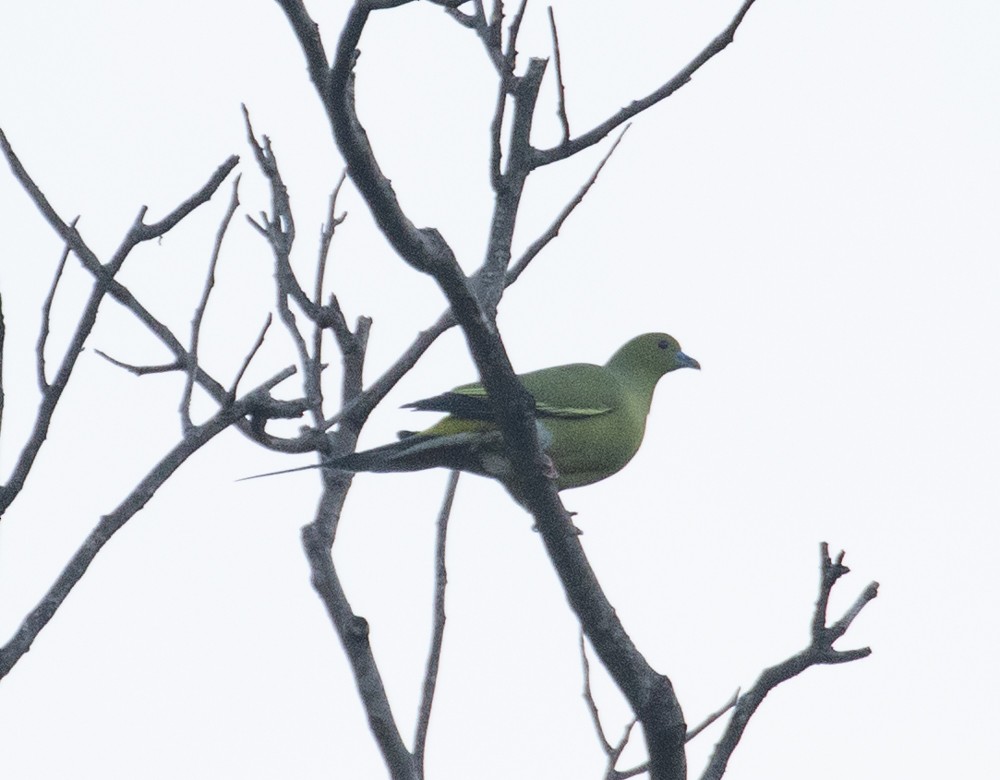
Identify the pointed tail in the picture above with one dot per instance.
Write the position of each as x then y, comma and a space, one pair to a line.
411, 453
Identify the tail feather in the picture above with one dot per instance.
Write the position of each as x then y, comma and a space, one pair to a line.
414, 452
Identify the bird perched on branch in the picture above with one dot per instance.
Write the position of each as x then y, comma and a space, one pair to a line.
590, 419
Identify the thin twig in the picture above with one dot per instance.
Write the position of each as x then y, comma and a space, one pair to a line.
104, 274
489, 32
505, 86
362, 405
588, 697
710, 719
250, 355
542, 241
317, 539
488, 280
561, 109
43, 331
326, 238
610, 772
820, 651
111, 523
163, 368
496, 141
279, 230
437, 633
591, 137
510, 54
105, 283
199, 312
614, 752
334, 318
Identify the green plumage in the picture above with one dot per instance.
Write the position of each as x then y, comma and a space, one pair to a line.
591, 420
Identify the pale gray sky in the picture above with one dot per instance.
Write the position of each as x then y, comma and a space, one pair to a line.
813, 217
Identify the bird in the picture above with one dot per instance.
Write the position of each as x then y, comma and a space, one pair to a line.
590, 420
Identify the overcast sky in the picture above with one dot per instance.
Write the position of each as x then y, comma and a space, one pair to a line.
814, 217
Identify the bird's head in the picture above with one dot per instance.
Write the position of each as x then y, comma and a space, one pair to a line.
653, 354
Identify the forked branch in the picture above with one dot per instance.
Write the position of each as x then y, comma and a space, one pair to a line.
820, 651
571, 146
193, 440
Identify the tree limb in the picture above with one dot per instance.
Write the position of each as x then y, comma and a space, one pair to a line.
819, 651
561, 103
649, 693
199, 312
437, 632
105, 283
317, 537
192, 441
591, 137
43, 331
536, 246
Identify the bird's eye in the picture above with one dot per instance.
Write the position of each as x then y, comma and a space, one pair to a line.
664, 344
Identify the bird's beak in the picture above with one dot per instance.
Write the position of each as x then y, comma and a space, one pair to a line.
686, 361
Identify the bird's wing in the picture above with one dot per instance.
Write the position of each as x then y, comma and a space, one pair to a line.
574, 391
466, 403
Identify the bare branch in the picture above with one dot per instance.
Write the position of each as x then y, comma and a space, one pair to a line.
50, 399
820, 651
423, 249
192, 441
591, 137
839, 628
613, 774
437, 633
146, 232
354, 349
250, 355
488, 281
614, 752
649, 693
163, 368
105, 283
588, 697
561, 110
43, 331
710, 719
464, 19
199, 313
553, 230
279, 229
494, 36
362, 405
326, 239
496, 141
510, 54
334, 319
317, 538
488, 32
90, 261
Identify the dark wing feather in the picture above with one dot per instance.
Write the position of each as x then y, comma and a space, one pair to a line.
461, 405
571, 395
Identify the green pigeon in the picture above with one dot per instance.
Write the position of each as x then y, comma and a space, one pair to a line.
590, 419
